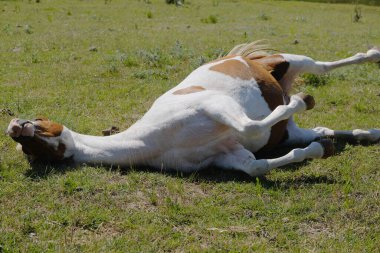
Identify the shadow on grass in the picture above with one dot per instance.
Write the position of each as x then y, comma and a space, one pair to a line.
213, 175
43, 170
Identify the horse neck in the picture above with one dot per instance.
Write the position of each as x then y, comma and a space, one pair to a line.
124, 149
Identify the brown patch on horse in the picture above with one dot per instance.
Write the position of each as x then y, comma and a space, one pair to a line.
221, 128
47, 128
233, 68
270, 88
275, 64
188, 90
274, 96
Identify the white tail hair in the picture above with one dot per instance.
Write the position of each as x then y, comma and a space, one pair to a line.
253, 50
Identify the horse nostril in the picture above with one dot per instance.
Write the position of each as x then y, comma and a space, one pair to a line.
14, 129
27, 129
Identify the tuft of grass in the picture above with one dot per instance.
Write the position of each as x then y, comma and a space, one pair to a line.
264, 17
215, 3
28, 29
176, 2
212, 19
315, 80
149, 14
357, 14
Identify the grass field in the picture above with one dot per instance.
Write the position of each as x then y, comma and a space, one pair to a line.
92, 64
369, 2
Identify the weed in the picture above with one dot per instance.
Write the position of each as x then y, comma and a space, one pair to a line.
178, 50
49, 18
70, 185
7, 28
364, 107
126, 60
112, 70
28, 228
176, 2
315, 80
154, 58
149, 14
34, 58
93, 49
210, 20
28, 29
264, 17
141, 74
149, 74
357, 14
301, 19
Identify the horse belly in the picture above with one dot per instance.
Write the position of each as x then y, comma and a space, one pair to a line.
197, 142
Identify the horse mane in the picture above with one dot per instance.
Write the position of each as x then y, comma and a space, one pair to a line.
253, 50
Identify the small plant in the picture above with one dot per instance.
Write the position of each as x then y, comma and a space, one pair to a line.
112, 70
210, 20
264, 16
301, 19
28, 29
177, 50
155, 74
7, 28
125, 59
357, 14
149, 14
315, 80
151, 58
176, 2
34, 58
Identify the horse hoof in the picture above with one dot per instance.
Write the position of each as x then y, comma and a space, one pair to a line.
328, 147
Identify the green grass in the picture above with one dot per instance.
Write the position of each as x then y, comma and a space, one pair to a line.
369, 2
94, 64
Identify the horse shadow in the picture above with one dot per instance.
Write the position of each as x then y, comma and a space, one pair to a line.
40, 171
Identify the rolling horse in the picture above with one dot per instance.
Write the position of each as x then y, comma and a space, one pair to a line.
220, 115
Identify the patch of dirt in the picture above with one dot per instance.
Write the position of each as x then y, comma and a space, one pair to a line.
316, 229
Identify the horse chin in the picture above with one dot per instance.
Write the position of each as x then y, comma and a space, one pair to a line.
38, 149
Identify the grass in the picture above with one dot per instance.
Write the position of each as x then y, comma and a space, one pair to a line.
368, 2
101, 63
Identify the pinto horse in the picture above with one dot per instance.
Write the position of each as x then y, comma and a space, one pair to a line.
220, 115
